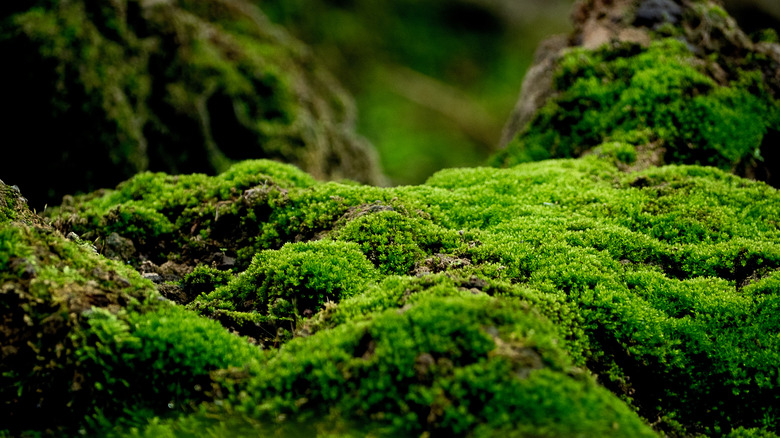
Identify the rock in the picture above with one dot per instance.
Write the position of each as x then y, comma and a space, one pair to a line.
118, 248
721, 110
133, 85
656, 13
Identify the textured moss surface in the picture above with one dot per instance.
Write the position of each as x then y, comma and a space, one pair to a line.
656, 95
558, 298
179, 86
679, 81
608, 300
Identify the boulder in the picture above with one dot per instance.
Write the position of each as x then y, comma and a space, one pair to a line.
675, 79
95, 92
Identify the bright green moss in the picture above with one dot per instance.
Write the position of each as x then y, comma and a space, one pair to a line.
204, 279
661, 282
568, 297
443, 365
393, 292
286, 284
613, 94
162, 214
751, 433
159, 361
620, 152
395, 242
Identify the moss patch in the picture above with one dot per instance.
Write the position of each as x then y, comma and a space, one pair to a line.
661, 283
562, 297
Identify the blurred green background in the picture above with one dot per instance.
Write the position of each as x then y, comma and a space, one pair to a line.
434, 80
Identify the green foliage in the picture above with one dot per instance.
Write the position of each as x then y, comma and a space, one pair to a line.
646, 96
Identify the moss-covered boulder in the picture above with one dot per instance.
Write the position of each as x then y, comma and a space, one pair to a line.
95, 92
677, 80
562, 278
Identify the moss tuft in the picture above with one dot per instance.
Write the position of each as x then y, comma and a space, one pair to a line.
395, 243
443, 365
288, 284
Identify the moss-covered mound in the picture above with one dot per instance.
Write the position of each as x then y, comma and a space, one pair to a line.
678, 81
558, 298
86, 338
95, 92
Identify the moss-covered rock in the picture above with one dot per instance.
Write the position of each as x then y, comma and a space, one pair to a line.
659, 285
86, 338
677, 80
447, 366
281, 286
96, 92
568, 297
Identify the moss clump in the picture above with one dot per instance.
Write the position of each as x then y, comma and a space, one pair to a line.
660, 96
444, 365
46, 282
173, 86
203, 279
395, 243
169, 217
282, 286
157, 362
87, 340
